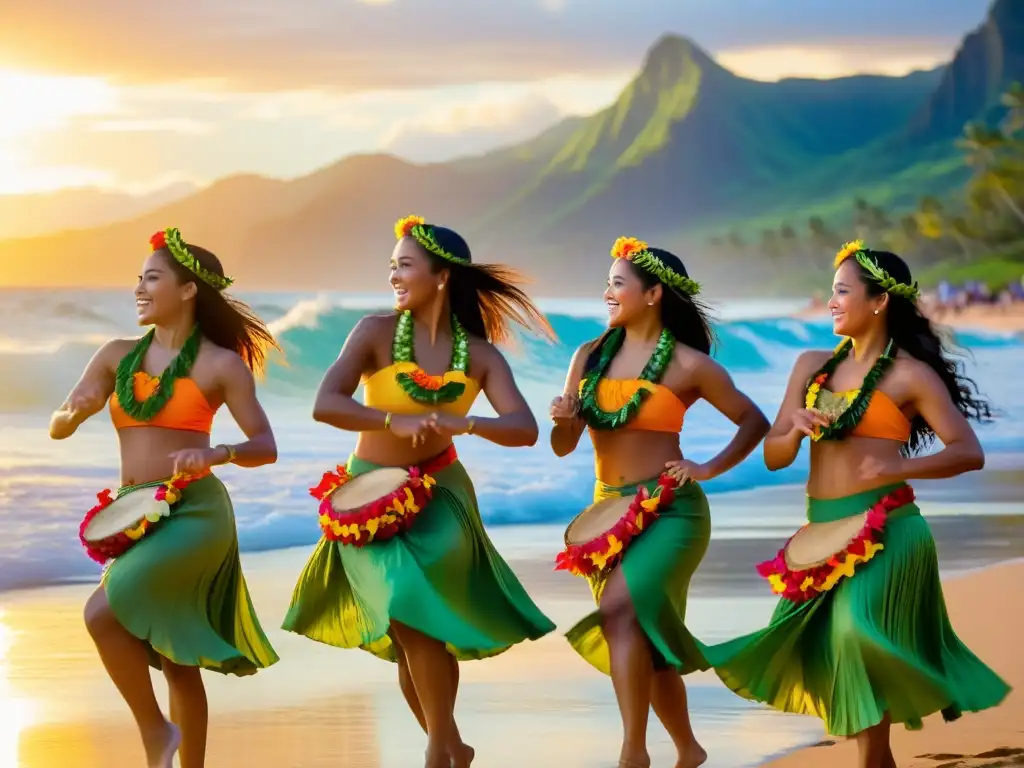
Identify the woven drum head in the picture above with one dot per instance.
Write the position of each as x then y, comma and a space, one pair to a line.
365, 489
595, 520
815, 543
124, 513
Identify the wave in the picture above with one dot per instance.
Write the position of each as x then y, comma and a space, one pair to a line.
48, 483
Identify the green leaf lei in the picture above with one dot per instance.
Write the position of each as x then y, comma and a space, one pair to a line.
131, 364
848, 420
598, 418
402, 352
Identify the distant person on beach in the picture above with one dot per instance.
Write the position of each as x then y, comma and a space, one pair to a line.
177, 599
632, 387
860, 637
413, 578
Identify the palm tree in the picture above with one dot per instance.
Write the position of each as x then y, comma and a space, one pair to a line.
982, 146
1013, 100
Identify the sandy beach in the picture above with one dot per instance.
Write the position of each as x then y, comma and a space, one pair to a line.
325, 707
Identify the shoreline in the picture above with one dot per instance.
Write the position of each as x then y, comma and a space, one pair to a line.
1008, 320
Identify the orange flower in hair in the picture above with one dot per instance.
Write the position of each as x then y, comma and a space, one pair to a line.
627, 247
403, 227
848, 250
158, 241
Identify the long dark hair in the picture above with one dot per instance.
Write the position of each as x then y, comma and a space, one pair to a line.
223, 319
684, 315
913, 333
486, 298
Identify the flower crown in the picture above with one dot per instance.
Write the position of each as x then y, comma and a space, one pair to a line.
637, 251
171, 240
857, 250
418, 229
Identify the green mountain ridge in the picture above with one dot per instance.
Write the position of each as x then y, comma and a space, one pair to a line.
688, 148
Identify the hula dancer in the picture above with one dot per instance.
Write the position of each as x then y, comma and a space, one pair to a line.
860, 637
177, 599
413, 578
638, 635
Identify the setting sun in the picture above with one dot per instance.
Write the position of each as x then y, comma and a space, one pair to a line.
35, 105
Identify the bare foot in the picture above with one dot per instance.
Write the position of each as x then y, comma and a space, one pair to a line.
693, 757
644, 762
436, 758
463, 756
162, 747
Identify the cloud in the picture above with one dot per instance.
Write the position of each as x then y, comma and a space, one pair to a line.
470, 128
263, 45
837, 60
164, 125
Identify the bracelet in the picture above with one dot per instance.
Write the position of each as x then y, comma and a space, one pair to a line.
387, 421
471, 423
231, 453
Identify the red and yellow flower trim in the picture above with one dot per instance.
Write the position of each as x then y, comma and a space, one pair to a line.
800, 586
404, 226
116, 545
605, 551
378, 520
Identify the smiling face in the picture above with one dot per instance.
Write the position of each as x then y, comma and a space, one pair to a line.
626, 297
853, 310
412, 277
159, 297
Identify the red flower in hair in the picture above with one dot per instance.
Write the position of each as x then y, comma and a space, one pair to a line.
158, 241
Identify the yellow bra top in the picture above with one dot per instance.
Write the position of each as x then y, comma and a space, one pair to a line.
382, 391
882, 419
661, 411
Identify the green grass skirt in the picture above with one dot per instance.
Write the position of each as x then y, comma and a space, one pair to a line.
878, 642
657, 567
442, 577
181, 589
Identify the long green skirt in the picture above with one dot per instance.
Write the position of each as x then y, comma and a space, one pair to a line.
181, 589
657, 567
442, 577
878, 642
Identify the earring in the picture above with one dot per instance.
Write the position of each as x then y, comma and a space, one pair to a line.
876, 311
440, 287
650, 303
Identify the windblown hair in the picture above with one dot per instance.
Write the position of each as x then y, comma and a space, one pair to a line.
913, 333
684, 315
223, 319
486, 298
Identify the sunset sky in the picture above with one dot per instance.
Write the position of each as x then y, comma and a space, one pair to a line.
137, 95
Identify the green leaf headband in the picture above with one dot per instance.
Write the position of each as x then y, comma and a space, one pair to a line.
417, 228
889, 285
170, 239
637, 251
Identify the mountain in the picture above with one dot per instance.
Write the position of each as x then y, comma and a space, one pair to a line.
28, 215
687, 148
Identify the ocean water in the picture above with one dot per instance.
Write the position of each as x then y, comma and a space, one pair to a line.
47, 337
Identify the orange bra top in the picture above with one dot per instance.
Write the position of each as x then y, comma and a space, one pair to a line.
382, 391
883, 419
187, 409
661, 411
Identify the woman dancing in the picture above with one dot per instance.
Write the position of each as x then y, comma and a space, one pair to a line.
863, 641
638, 634
177, 599
438, 592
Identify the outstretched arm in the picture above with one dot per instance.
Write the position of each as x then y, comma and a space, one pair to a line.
91, 392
